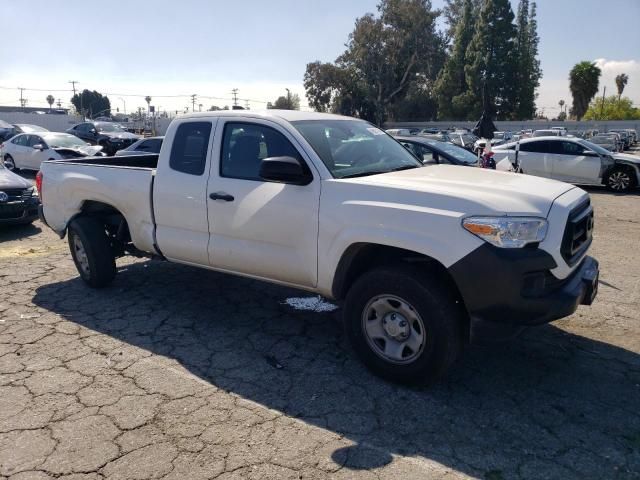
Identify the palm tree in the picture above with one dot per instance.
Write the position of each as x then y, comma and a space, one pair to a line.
584, 79
50, 101
621, 82
561, 103
148, 100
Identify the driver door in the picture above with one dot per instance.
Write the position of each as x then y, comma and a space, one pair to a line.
261, 228
574, 164
34, 157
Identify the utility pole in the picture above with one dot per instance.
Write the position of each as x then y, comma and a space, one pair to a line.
246, 104
288, 99
604, 90
73, 84
193, 102
23, 101
234, 92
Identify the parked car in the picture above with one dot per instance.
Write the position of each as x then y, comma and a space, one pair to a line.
606, 141
423, 256
142, 147
18, 199
434, 151
6, 131
441, 136
572, 160
463, 139
576, 133
111, 136
634, 135
28, 151
547, 133
617, 138
626, 138
562, 130
398, 131
28, 128
498, 139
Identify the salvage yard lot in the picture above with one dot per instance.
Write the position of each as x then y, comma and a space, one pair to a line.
176, 372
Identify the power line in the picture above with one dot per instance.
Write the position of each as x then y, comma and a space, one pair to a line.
234, 92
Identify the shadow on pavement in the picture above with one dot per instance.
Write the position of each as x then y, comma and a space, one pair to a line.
15, 232
550, 404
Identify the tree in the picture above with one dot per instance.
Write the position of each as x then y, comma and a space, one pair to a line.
528, 72
453, 14
50, 101
491, 63
290, 102
148, 100
621, 82
451, 81
94, 103
562, 112
613, 108
385, 55
584, 79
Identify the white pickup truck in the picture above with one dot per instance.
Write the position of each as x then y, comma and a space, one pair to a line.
425, 258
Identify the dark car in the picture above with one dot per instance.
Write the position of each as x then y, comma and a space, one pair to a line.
143, 146
435, 151
6, 131
111, 136
18, 199
463, 139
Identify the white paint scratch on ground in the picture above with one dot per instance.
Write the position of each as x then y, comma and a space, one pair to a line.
314, 304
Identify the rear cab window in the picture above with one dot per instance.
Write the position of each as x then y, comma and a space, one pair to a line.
190, 147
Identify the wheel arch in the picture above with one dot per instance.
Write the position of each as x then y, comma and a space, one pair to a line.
361, 257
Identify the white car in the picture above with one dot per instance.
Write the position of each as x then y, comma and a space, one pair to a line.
28, 150
572, 160
144, 146
547, 133
424, 257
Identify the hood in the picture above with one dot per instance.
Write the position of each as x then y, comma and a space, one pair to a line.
626, 157
11, 180
85, 150
483, 191
120, 135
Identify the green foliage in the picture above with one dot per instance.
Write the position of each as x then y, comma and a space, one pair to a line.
453, 13
491, 62
50, 100
386, 56
613, 108
584, 78
290, 102
93, 103
451, 83
621, 82
528, 72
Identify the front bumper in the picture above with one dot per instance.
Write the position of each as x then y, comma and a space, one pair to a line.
507, 290
18, 212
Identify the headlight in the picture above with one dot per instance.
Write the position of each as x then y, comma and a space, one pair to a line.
507, 232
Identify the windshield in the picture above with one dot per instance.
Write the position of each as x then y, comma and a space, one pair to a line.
63, 140
109, 127
458, 153
596, 148
355, 148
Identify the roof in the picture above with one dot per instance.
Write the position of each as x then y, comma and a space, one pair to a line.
288, 115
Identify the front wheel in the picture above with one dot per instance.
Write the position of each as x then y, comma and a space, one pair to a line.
620, 179
10, 163
91, 252
403, 324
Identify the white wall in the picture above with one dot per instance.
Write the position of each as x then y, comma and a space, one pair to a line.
55, 123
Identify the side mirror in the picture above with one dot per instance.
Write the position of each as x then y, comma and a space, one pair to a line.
589, 153
38, 146
93, 131
284, 170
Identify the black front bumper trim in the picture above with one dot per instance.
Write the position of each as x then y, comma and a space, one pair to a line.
496, 287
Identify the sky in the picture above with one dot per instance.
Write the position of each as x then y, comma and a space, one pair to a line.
170, 50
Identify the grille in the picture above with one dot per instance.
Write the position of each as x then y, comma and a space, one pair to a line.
16, 194
578, 233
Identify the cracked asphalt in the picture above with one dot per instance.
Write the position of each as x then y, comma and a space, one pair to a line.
179, 373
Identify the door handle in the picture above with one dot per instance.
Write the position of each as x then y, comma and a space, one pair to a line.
221, 196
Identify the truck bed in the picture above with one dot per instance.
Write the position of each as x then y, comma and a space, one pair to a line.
149, 161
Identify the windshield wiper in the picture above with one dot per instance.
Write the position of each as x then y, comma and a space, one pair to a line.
379, 172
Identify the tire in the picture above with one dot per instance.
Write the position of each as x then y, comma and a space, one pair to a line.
374, 310
10, 163
620, 179
91, 252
